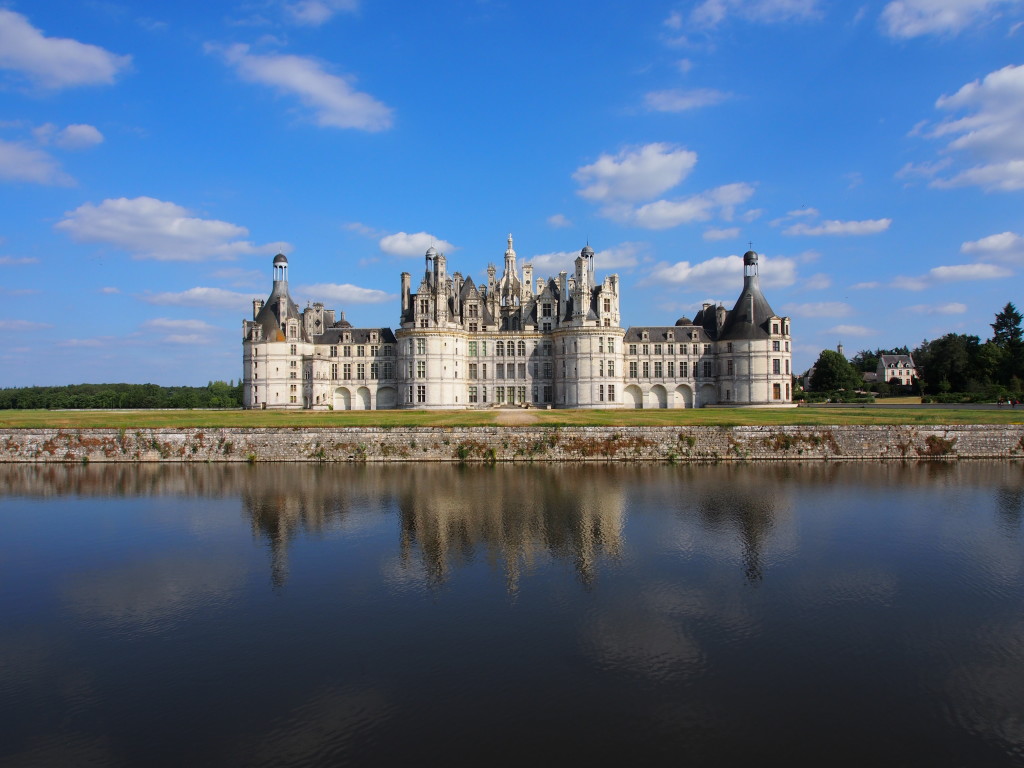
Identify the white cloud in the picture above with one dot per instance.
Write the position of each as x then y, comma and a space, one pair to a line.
54, 62
713, 234
559, 221
819, 309
959, 272
345, 293
904, 283
173, 324
20, 162
199, 297
187, 338
851, 330
722, 273
817, 282
362, 229
952, 308
1006, 247
711, 13
313, 13
76, 136
986, 125
88, 343
842, 228
23, 325
871, 284
927, 170
153, 229
681, 100
913, 18
18, 260
110, 290
621, 256
635, 173
415, 244
663, 214
335, 102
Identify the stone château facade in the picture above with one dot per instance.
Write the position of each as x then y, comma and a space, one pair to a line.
551, 342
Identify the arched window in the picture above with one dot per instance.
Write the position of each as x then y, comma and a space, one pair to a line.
522, 349
499, 348
511, 349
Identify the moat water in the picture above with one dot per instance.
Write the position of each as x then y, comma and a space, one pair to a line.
801, 614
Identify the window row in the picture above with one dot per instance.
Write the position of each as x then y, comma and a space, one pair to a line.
377, 370
360, 350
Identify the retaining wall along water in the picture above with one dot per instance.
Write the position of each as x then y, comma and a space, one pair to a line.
512, 443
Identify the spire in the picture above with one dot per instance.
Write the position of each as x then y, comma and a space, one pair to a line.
510, 257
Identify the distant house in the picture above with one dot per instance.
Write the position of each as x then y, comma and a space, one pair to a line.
869, 377
896, 369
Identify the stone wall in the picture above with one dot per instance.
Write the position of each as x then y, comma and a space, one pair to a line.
475, 444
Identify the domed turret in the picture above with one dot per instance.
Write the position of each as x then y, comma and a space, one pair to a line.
280, 259
683, 321
587, 251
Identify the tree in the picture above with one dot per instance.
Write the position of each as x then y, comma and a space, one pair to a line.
832, 372
1009, 337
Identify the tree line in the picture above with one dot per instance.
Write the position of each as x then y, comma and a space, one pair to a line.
216, 394
954, 367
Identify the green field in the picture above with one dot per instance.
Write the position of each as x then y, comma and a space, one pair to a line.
695, 417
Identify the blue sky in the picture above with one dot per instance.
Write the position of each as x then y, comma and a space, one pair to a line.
155, 156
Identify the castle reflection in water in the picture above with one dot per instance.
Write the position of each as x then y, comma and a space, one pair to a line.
510, 516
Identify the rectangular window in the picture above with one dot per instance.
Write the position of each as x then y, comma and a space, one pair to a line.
421, 369
387, 350
600, 395
775, 346
601, 368
657, 370
775, 329
293, 375
293, 388
611, 367
294, 349
646, 349
424, 306
334, 370
346, 370
707, 369
549, 370
346, 351
521, 393
374, 350
611, 346
632, 349
684, 369
728, 368
374, 370
360, 351
671, 369
421, 346
361, 371
473, 327
632, 369
647, 370
545, 310
728, 346
499, 371
472, 349
408, 397
657, 349
293, 399
522, 371
499, 394
472, 395
695, 349
483, 394
421, 393
483, 371
607, 305
611, 393
547, 394
600, 345
334, 351
776, 391
707, 349
472, 370
294, 363
389, 370
787, 346
787, 366
776, 365
671, 349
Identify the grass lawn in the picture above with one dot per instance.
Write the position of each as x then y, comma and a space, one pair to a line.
694, 417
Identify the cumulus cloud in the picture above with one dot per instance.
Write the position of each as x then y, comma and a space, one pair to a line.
663, 214
841, 228
819, 309
682, 100
985, 125
817, 282
345, 293
622, 256
1006, 247
415, 244
20, 162
23, 325
711, 13
951, 308
913, 18
559, 221
199, 297
713, 234
722, 273
905, 283
334, 101
153, 229
635, 173
958, 272
851, 330
77, 136
313, 13
54, 62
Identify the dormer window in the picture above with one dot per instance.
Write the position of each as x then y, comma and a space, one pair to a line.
670, 336
645, 335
